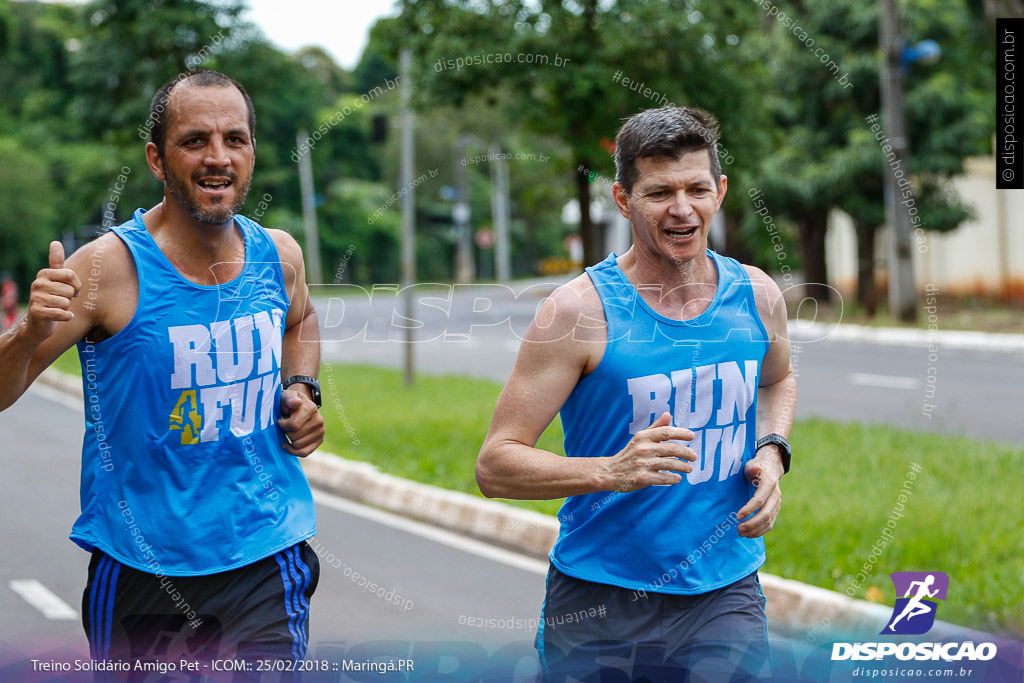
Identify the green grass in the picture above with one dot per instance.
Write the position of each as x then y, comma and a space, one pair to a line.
430, 433
68, 362
962, 517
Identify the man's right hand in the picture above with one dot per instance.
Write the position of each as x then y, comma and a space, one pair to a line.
650, 458
50, 296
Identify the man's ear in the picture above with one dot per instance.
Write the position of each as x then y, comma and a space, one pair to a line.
155, 163
723, 185
621, 198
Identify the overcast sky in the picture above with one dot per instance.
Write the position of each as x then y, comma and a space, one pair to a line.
339, 27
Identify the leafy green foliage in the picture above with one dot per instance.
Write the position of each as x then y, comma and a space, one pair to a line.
27, 194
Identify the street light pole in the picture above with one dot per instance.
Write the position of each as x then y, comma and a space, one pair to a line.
309, 214
902, 296
408, 213
499, 209
461, 214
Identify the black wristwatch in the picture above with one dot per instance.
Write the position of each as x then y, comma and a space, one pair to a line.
780, 441
310, 381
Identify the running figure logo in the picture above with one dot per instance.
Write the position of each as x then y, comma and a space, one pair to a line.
914, 613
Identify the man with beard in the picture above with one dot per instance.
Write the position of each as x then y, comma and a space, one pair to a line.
187, 317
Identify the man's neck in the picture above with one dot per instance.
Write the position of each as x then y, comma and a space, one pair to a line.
683, 285
176, 230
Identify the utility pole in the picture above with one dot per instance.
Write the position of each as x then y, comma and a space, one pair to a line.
408, 213
309, 213
464, 256
902, 296
499, 207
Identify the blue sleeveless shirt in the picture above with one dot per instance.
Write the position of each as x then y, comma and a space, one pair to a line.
704, 371
183, 473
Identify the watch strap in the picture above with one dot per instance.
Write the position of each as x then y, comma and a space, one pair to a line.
784, 448
312, 382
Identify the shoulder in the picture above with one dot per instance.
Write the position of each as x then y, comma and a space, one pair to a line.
288, 250
286, 245
768, 296
579, 295
763, 283
105, 257
573, 311
110, 285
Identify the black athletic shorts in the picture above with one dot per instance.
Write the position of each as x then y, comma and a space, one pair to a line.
256, 612
594, 631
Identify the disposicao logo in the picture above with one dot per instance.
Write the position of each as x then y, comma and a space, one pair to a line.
914, 613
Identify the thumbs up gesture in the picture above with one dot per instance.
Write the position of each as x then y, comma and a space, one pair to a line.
49, 301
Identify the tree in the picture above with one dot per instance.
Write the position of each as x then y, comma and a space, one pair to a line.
825, 154
572, 87
29, 216
130, 47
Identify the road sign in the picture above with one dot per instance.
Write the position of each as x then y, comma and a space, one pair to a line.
484, 238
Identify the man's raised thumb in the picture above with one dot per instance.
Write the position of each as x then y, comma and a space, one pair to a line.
56, 254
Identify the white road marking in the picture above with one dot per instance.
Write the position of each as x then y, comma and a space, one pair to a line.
442, 536
43, 599
884, 381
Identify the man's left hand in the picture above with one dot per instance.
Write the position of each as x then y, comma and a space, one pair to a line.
764, 471
301, 421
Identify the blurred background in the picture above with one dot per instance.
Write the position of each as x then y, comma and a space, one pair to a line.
792, 85
839, 118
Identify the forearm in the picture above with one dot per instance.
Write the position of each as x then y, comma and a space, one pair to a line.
776, 405
16, 352
301, 348
509, 469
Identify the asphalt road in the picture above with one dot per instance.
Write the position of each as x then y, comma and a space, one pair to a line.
442, 579
478, 332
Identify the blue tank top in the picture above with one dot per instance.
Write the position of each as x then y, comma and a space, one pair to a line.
183, 472
704, 371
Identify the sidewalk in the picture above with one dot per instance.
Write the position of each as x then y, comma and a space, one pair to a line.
798, 608
902, 336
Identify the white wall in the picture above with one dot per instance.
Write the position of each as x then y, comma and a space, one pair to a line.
983, 256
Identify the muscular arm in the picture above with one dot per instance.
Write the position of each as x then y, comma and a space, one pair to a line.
300, 353
776, 403
776, 394
59, 313
552, 358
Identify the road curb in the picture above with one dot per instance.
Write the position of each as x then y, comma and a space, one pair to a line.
901, 336
794, 605
531, 533
69, 384
808, 612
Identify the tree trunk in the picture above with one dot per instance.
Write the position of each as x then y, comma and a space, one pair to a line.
867, 292
735, 246
590, 252
813, 227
